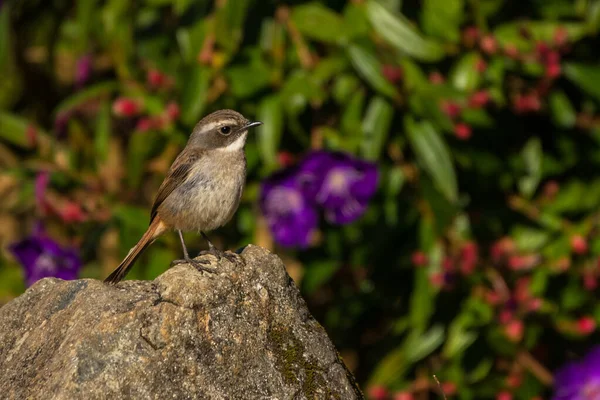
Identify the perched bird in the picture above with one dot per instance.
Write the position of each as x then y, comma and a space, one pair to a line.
202, 189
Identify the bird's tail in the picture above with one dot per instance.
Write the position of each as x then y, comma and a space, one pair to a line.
156, 228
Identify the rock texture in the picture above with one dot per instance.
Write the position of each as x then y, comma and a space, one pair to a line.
241, 333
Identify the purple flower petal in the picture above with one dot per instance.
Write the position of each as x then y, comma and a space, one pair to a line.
291, 219
579, 380
42, 257
339, 183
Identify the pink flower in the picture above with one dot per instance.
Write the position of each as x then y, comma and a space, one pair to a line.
469, 255
42, 180
403, 396
72, 212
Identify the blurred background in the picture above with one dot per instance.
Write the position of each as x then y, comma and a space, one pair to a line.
450, 228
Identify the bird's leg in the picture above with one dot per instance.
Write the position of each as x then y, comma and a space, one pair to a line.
187, 260
212, 249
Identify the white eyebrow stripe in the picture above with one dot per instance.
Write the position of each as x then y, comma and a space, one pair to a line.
212, 125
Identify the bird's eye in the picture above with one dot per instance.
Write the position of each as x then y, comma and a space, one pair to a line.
225, 130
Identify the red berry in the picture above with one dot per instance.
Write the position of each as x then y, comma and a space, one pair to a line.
579, 244
586, 325
72, 212
377, 392
561, 36
285, 158
144, 124
462, 131
403, 396
504, 396
511, 51
469, 255
155, 78
470, 35
436, 78
553, 71
449, 388
488, 44
590, 281
481, 65
514, 330
525, 103
450, 108
551, 188
419, 258
125, 107
479, 99
173, 111
502, 248
392, 73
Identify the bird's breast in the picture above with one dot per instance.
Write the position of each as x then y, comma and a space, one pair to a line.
209, 196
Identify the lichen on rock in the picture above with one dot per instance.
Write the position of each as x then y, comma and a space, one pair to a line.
241, 333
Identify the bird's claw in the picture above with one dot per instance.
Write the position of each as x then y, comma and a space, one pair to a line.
198, 264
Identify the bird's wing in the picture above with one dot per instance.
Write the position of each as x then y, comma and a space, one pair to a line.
178, 173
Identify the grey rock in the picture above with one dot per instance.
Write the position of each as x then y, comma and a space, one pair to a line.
242, 333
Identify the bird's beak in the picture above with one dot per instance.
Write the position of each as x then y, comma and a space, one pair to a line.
252, 124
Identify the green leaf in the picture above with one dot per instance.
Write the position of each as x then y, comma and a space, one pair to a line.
370, 69
532, 158
102, 132
318, 22
194, 94
464, 75
139, 147
544, 31
376, 127
421, 301
563, 113
459, 338
442, 18
269, 133
390, 369
13, 129
229, 24
398, 32
104, 89
317, 274
419, 345
246, 80
434, 155
585, 76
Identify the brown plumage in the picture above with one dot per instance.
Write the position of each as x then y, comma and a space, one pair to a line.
203, 187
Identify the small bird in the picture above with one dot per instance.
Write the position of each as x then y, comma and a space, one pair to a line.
202, 189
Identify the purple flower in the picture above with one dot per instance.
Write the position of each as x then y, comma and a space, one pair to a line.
579, 380
341, 184
291, 218
42, 257
83, 70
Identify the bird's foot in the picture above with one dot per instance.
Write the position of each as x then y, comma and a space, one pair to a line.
198, 264
232, 257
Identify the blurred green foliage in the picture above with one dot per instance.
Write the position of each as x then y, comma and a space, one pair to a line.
478, 259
